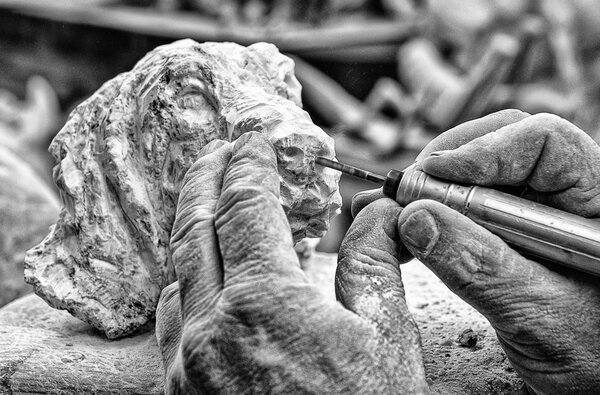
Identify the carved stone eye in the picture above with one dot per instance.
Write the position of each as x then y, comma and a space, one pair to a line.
191, 95
292, 151
191, 101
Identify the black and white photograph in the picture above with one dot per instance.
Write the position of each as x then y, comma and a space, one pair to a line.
300, 197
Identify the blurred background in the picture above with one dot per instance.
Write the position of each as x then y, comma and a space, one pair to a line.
383, 77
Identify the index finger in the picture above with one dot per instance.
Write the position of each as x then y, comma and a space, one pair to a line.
194, 246
546, 152
465, 132
450, 139
254, 234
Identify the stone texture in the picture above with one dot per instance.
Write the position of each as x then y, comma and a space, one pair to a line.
46, 351
121, 158
450, 368
43, 350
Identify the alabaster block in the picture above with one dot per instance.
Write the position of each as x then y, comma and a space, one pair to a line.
122, 156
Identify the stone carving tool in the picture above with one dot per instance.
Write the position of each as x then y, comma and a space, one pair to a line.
531, 228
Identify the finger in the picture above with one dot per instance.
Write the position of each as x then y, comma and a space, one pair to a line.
465, 132
194, 244
450, 139
211, 147
168, 323
368, 280
254, 234
541, 317
475, 264
546, 152
364, 198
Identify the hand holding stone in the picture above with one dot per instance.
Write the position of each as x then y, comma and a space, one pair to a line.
546, 318
251, 322
122, 156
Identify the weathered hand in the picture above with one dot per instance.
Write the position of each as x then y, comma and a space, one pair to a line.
547, 319
250, 321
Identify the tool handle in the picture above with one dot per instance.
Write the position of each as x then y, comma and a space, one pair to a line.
530, 227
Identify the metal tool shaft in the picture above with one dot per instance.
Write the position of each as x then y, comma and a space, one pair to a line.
353, 171
529, 227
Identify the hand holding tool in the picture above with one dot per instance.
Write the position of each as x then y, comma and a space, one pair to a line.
529, 227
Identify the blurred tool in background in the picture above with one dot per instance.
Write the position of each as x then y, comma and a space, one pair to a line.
382, 76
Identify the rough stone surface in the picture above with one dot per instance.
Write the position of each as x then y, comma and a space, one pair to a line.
121, 158
43, 350
27, 208
46, 351
450, 368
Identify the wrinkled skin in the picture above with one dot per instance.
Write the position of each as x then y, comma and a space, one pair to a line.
251, 322
547, 318
243, 318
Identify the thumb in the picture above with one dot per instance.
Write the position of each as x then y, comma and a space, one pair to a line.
474, 263
368, 280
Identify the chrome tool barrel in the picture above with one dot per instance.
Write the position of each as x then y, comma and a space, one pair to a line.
529, 227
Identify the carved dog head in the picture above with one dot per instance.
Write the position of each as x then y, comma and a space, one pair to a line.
122, 156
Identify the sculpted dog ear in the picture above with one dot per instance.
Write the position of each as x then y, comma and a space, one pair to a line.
103, 257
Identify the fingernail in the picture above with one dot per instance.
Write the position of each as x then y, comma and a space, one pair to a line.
420, 232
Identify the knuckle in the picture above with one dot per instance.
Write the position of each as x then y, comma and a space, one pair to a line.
248, 295
512, 113
554, 125
356, 265
547, 118
260, 300
244, 196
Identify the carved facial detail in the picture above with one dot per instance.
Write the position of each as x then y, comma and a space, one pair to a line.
309, 193
194, 115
